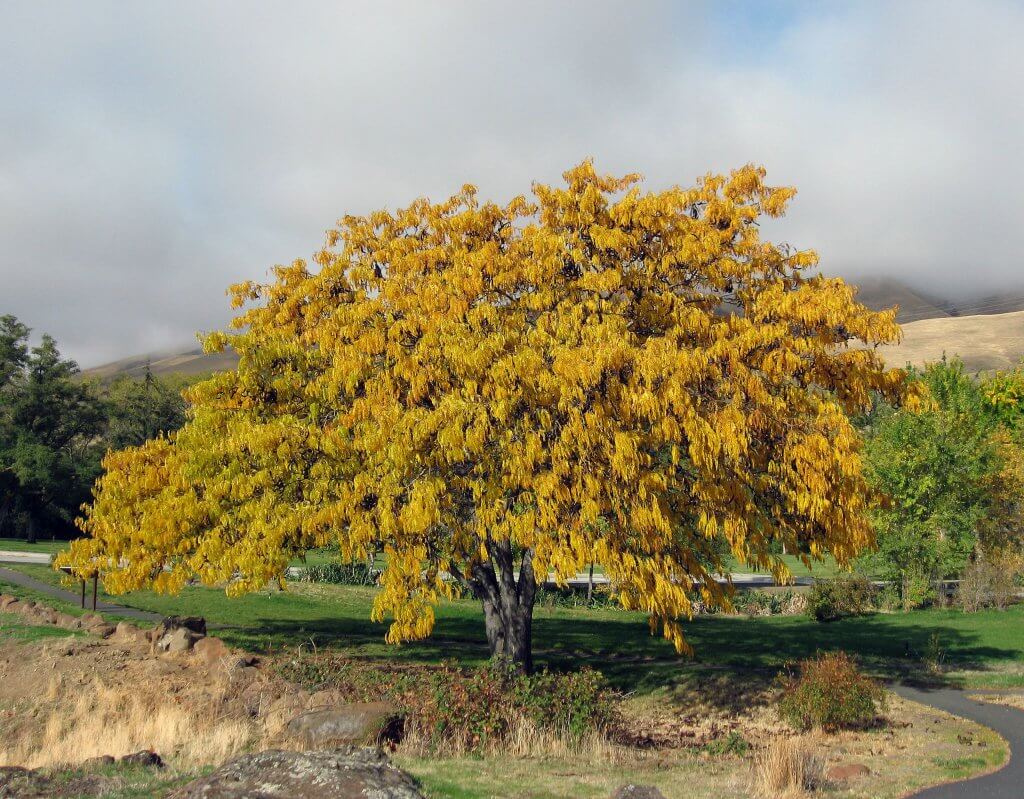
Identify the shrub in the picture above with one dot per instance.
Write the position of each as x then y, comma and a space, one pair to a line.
555, 597
769, 603
450, 709
830, 692
852, 595
731, 744
988, 581
355, 573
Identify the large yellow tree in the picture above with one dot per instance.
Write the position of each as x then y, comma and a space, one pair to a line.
491, 394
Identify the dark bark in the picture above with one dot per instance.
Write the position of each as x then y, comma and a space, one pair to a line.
507, 601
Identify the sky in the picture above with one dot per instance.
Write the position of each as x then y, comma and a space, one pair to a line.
151, 153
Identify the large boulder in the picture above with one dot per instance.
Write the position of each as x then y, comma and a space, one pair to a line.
274, 774
361, 723
177, 640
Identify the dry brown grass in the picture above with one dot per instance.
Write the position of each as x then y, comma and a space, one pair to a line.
983, 342
787, 768
525, 740
102, 720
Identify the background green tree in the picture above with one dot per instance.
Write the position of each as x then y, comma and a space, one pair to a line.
942, 472
140, 409
50, 435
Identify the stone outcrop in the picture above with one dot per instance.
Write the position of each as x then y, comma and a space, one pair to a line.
360, 723
276, 774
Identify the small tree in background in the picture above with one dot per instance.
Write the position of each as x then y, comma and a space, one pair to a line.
138, 410
491, 393
953, 481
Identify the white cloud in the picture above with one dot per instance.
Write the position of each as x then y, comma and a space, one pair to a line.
149, 155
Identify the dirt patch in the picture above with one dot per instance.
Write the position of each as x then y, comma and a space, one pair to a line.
63, 701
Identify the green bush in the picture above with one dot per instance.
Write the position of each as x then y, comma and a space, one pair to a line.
769, 603
731, 744
830, 692
554, 597
340, 574
852, 595
467, 710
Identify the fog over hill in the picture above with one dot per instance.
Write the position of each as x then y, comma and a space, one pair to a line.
987, 331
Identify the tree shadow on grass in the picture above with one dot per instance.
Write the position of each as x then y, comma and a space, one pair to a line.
620, 646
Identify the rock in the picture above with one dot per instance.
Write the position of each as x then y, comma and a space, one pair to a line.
847, 771
632, 791
212, 650
103, 630
143, 758
69, 622
357, 723
241, 675
5, 600
177, 640
95, 762
348, 772
195, 624
92, 620
128, 633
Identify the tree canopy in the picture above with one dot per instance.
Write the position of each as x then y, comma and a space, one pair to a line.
952, 477
488, 393
49, 425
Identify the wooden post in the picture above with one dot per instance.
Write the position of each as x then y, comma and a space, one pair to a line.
95, 581
83, 593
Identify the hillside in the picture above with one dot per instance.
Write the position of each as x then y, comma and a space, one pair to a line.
190, 362
984, 342
880, 294
987, 332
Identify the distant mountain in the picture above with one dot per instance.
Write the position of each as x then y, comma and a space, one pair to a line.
880, 294
915, 304
987, 332
190, 362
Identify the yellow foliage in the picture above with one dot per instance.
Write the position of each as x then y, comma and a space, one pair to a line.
597, 374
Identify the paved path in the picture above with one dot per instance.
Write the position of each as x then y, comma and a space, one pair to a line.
7, 556
1008, 782
23, 580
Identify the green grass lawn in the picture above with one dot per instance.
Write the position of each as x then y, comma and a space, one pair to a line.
615, 641
20, 545
12, 627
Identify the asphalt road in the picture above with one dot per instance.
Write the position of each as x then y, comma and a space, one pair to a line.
23, 580
1008, 782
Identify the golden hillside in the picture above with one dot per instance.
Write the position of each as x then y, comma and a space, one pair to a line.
984, 343
191, 362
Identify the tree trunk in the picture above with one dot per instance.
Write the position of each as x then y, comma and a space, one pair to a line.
508, 605
30, 529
